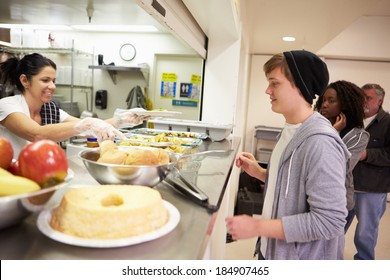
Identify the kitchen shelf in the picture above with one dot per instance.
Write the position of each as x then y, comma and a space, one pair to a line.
113, 70
74, 86
69, 54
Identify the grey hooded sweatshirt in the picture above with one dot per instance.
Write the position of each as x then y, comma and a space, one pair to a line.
356, 141
310, 194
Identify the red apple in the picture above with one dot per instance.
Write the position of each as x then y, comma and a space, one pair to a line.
44, 162
14, 168
6, 153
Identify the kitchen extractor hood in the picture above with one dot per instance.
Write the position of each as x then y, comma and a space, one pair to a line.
174, 15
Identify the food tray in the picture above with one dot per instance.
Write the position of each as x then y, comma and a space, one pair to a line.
161, 141
169, 133
216, 132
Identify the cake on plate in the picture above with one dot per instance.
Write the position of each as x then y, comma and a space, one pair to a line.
109, 212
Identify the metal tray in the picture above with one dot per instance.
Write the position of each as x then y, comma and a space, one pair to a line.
164, 141
168, 133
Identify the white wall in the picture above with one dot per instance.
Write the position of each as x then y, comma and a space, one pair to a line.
259, 107
108, 44
221, 81
362, 72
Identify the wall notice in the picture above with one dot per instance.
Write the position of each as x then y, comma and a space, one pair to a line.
195, 89
168, 85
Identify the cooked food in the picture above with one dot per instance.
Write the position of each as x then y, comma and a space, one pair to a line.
162, 156
110, 212
107, 145
110, 153
113, 156
141, 157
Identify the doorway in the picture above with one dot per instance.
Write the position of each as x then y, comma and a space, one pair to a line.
177, 84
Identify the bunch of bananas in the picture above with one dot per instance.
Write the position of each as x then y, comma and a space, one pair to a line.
11, 184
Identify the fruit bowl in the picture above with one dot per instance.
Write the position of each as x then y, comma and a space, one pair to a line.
15, 208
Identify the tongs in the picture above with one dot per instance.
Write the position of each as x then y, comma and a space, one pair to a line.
189, 189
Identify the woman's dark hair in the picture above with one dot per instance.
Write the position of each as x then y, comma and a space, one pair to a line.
30, 65
351, 98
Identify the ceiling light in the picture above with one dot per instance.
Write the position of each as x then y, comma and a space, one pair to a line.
288, 39
90, 10
35, 26
116, 28
7, 44
85, 27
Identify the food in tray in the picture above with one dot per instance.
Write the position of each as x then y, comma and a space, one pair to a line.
109, 153
176, 140
171, 148
169, 133
109, 211
160, 140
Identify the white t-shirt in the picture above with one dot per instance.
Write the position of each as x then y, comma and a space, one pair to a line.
13, 104
368, 120
287, 134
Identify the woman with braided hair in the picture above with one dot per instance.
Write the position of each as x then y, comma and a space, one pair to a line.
343, 105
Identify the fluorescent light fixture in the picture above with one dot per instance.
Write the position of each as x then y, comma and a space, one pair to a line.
85, 27
288, 39
36, 26
7, 44
116, 28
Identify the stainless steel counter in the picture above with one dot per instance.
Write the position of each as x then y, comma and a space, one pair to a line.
187, 241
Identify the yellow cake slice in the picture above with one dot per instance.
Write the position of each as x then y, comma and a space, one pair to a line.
109, 212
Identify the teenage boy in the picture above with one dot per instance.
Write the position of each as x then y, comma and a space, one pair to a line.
304, 210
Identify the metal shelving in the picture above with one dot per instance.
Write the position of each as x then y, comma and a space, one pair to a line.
72, 52
113, 70
265, 138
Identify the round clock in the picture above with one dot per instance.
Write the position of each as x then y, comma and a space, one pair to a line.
127, 52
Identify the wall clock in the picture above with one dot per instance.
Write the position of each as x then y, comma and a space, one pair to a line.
127, 52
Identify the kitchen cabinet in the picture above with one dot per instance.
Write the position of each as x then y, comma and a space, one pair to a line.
113, 70
72, 70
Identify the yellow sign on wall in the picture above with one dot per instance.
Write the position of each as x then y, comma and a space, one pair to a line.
169, 77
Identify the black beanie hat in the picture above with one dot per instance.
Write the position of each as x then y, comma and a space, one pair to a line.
310, 73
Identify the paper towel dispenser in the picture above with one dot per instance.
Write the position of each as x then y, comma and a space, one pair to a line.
101, 99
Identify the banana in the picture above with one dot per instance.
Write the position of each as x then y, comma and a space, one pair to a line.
4, 172
12, 185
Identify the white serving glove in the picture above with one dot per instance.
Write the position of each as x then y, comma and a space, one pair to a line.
99, 128
129, 117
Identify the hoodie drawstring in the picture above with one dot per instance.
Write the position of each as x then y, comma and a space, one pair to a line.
289, 172
357, 142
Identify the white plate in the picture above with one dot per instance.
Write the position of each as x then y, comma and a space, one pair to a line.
157, 113
44, 218
69, 176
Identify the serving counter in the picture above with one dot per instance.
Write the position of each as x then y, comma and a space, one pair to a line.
188, 240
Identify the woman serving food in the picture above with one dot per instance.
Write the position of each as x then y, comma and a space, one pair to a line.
32, 115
